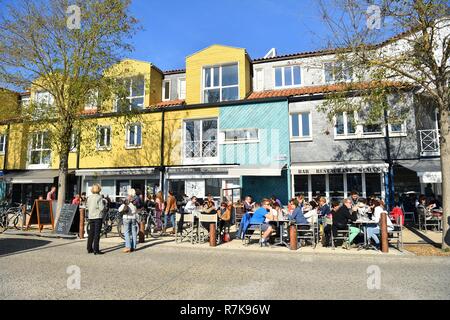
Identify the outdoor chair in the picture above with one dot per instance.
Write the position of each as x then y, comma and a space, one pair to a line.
239, 212
409, 215
187, 224
251, 231
424, 223
397, 234
307, 232
205, 218
342, 234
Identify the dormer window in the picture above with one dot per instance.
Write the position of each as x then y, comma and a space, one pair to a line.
288, 76
336, 72
220, 83
132, 96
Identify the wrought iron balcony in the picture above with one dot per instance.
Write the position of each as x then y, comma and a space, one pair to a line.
429, 143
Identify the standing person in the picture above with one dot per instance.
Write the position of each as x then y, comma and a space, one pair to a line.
83, 200
170, 211
95, 208
76, 200
129, 217
159, 209
51, 195
224, 216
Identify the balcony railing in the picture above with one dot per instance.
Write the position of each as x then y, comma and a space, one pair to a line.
429, 143
200, 149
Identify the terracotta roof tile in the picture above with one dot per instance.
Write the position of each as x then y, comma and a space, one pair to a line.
320, 89
170, 103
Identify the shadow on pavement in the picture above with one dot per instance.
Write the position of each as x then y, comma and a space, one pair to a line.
423, 237
12, 246
152, 244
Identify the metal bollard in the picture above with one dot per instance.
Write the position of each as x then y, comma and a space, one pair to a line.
384, 233
293, 237
81, 227
212, 235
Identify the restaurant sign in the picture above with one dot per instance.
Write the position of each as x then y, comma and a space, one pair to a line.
431, 177
341, 170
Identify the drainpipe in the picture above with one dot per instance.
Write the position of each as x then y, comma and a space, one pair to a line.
6, 147
162, 168
78, 163
390, 176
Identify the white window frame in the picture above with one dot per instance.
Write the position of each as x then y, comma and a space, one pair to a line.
200, 160
359, 130
259, 72
41, 149
219, 87
2, 144
333, 63
130, 96
106, 147
243, 141
300, 127
283, 80
92, 100
127, 137
181, 97
164, 89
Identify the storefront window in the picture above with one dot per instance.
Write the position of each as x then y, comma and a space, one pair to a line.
301, 185
354, 183
373, 185
108, 188
318, 185
336, 187
213, 186
122, 187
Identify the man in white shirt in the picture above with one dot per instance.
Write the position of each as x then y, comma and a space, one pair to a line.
191, 205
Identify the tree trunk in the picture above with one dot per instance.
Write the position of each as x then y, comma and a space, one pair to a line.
445, 169
62, 181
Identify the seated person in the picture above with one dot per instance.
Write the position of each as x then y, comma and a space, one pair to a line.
423, 209
208, 208
191, 205
259, 217
224, 215
324, 208
342, 217
328, 223
311, 215
248, 204
374, 231
363, 208
297, 214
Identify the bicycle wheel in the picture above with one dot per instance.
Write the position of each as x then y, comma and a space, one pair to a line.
3, 223
120, 229
151, 229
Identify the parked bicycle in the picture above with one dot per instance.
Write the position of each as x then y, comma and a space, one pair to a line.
110, 219
12, 216
151, 229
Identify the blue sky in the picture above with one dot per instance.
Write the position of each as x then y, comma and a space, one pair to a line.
174, 29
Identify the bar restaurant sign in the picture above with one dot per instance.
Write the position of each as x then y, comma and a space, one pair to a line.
342, 170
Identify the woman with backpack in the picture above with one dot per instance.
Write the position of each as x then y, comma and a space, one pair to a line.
129, 217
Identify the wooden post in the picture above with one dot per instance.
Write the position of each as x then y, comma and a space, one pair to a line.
81, 228
212, 235
24, 216
293, 237
384, 233
142, 232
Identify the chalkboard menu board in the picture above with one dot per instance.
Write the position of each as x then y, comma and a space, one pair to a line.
41, 214
69, 220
